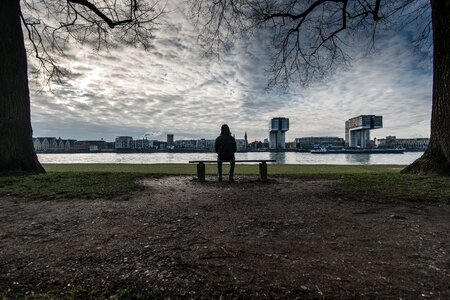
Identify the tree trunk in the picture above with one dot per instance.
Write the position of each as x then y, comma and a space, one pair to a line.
436, 159
17, 155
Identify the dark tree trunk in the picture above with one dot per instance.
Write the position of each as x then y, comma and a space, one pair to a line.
436, 159
17, 155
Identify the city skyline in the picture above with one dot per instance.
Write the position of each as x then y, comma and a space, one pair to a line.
172, 88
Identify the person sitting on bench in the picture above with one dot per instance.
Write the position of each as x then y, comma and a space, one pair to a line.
225, 148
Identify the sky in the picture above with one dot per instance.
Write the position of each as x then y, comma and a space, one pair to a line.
174, 88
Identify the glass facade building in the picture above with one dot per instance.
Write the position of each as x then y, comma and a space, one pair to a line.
357, 130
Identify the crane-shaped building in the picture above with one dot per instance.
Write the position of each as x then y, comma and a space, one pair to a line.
277, 129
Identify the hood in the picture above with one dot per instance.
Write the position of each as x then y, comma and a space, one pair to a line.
225, 130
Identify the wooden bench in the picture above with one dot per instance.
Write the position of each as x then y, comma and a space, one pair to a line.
201, 166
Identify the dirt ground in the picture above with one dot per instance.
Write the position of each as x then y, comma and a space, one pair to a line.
181, 238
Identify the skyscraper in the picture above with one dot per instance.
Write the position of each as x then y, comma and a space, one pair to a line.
277, 129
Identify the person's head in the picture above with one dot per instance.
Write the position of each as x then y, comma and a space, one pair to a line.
225, 130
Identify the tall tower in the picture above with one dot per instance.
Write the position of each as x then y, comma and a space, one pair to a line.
170, 141
357, 130
245, 138
277, 129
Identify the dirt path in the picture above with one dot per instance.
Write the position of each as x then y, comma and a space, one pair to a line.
179, 237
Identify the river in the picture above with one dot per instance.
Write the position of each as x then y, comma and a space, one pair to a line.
282, 158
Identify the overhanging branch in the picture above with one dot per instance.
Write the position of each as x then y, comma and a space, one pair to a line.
102, 16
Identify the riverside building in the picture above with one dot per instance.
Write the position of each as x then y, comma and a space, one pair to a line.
123, 142
314, 142
357, 130
170, 141
277, 130
419, 144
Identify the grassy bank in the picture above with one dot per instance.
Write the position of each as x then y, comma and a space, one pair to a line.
361, 183
190, 169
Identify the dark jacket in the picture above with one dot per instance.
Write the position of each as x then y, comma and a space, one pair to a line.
225, 146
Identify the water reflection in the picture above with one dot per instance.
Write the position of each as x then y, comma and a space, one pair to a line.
359, 158
280, 157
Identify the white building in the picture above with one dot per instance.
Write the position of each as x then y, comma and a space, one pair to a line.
408, 143
186, 144
51, 144
123, 142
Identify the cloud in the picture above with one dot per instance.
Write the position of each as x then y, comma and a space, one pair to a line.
173, 88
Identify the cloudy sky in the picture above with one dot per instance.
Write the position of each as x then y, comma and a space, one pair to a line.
173, 88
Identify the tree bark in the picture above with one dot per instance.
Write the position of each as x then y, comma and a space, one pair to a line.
17, 155
436, 159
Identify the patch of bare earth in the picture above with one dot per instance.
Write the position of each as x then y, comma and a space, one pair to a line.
280, 239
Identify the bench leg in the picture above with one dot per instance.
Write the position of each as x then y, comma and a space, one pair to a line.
201, 172
263, 171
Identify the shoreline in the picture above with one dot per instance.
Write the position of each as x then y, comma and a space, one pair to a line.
203, 151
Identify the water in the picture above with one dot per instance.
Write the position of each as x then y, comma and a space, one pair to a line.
282, 158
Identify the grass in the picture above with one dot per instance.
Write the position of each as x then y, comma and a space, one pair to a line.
16, 291
190, 169
363, 183
70, 185
390, 187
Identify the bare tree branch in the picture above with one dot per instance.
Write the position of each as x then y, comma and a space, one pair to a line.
53, 24
308, 37
96, 11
